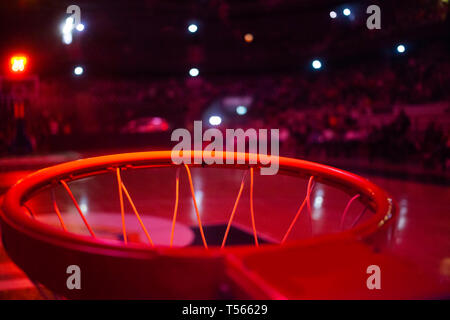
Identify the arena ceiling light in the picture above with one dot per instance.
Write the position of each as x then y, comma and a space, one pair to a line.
68, 25
194, 72
67, 29
401, 48
241, 110
215, 120
248, 37
333, 14
80, 27
316, 64
67, 38
192, 28
347, 12
78, 70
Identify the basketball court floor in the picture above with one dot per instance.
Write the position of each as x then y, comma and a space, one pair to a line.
419, 247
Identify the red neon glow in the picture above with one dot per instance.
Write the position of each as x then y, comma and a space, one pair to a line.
18, 63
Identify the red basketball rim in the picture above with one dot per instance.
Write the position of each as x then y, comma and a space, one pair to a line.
14, 215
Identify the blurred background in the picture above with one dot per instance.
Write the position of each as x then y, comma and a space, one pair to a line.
132, 71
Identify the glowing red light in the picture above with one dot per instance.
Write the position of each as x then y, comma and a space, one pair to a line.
18, 63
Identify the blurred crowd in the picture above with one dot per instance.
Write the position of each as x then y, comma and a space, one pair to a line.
342, 135
317, 111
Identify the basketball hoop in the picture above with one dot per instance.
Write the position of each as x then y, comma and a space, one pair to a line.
127, 269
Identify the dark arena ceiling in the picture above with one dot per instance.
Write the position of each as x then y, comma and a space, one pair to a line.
150, 37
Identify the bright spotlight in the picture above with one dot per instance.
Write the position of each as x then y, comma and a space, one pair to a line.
69, 21
66, 30
67, 38
192, 28
68, 25
215, 120
333, 14
80, 27
78, 71
194, 72
316, 64
401, 48
346, 12
241, 110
